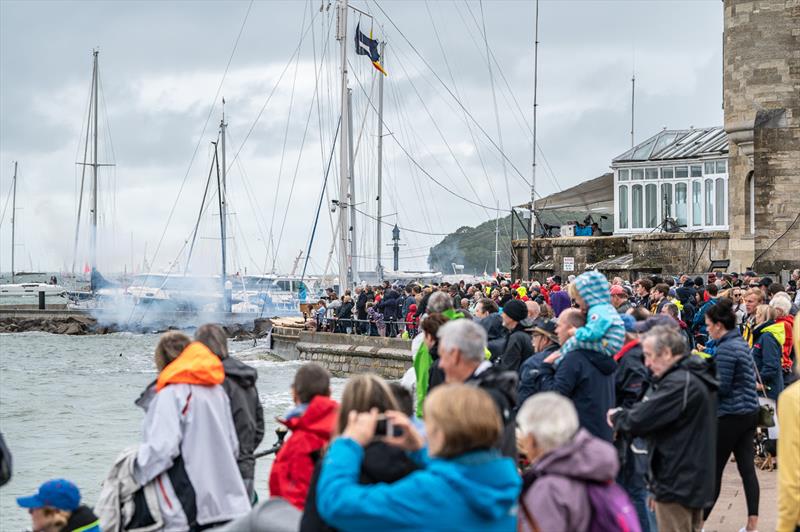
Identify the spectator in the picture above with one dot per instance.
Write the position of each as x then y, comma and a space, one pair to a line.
619, 298
545, 342
737, 414
240, 386
672, 310
767, 352
430, 327
677, 419
311, 420
789, 450
57, 507
783, 316
382, 463
187, 422
699, 322
517, 347
533, 313
642, 287
586, 377
462, 346
488, 317
466, 486
560, 302
565, 460
658, 298
752, 299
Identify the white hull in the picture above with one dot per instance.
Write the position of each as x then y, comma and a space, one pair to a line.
31, 290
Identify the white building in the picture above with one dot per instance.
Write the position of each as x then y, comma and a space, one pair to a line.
676, 177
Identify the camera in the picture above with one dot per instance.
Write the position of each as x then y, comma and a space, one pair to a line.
386, 428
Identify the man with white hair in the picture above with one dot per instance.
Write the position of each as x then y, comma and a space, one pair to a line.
565, 460
462, 358
783, 310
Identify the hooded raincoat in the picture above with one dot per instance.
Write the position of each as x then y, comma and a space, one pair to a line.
475, 491
767, 353
189, 444
604, 331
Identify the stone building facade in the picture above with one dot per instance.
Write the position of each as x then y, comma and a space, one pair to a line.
761, 98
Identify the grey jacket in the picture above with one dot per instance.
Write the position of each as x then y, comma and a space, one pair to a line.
120, 496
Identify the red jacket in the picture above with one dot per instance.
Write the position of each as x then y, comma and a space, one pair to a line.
291, 471
788, 325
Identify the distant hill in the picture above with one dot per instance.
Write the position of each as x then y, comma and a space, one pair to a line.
474, 246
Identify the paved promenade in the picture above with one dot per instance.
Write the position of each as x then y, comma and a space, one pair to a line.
730, 512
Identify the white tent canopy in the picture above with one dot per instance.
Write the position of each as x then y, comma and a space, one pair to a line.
593, 196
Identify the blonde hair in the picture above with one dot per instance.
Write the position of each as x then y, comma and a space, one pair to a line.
362, 393
467, 417
765, 313
170, 345
755, 292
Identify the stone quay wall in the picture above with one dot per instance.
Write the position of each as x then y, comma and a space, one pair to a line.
345, 354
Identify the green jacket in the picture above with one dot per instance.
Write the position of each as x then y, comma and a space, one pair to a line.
423, 362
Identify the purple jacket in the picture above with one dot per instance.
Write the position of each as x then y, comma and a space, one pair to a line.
554, 490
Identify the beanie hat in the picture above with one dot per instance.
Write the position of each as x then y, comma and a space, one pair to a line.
516, 310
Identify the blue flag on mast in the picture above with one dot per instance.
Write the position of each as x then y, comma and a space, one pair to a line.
369, 47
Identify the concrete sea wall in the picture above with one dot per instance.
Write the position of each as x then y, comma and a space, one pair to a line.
344, 354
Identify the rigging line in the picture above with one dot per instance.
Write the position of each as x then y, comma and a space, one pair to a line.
89, 112
449, 91
200, 214
5, 207
494, 102
384, 222
455, 88
197, 146
321, 196
274, 88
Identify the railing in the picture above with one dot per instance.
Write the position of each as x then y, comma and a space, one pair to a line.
387, 328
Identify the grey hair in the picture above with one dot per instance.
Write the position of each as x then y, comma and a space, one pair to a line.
466, 336
781, 301
669, 338
439, 302
550, 418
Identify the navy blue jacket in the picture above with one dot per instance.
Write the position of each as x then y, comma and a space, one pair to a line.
586, 377
768, 353
529, 373
737, 380
388, 305
699, 321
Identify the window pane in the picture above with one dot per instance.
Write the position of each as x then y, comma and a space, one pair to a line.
636, 206
623, 174
720, 204
666, 201
622, 216
696, 170
651, 199
708, 167
697, 203
681, 171
681, 214
667, 172
651, 173
709, 202
637, 173
722, 166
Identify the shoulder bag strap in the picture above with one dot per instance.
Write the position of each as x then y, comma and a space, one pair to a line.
758, 379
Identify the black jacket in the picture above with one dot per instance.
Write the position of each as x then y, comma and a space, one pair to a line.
678, 417
345, 311
518, 347
388, 305
493, 325
82, 518
248, 415
586, 377
502, 388
632, 377
382, 463
5, 462
361, 305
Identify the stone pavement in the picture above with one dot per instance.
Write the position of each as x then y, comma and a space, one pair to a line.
730, 512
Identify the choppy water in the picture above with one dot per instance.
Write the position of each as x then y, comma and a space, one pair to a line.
66, 407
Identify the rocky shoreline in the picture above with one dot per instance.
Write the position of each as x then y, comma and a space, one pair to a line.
85, 325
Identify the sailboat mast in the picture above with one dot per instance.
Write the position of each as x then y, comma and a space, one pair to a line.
93, 244
13, 219
353, 275
532, 213
223, 208
379, 266
344, 174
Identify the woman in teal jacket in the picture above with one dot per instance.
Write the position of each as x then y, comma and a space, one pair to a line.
464, 484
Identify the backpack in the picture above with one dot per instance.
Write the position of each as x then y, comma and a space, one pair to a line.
612, 510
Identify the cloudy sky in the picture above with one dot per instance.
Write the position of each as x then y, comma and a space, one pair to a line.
162, 65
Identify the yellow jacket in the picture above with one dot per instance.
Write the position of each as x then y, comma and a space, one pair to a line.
789, 459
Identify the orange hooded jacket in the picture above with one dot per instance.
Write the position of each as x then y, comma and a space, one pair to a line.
195, 365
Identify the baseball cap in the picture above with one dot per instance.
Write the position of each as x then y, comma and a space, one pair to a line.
766, 281
545, 328
59, 493
617, 290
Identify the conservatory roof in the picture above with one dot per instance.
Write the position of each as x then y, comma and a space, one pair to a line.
678, 144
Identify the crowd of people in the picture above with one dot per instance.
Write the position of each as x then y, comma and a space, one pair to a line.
585, 405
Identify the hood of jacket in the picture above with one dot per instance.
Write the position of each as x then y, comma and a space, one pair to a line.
776, 329
488, 482
626, 348
604, 363
319, 418
244, 375
584, 458
195, 365
593, 288
560, 301
385, 463
703, 369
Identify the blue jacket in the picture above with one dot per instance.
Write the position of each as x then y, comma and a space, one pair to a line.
699, 320
586, 377
529, 373
475, 491
604, 331
768, 353
737, 380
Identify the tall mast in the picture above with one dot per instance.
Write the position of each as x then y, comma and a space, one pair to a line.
532, 213
13, 219
93, 239
633, 100
378, 265
223, 207
353, 275
341, 36
497, 238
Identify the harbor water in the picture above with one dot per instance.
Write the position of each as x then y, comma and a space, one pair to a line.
66, 407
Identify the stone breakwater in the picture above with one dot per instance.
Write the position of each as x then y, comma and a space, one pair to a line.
345, 355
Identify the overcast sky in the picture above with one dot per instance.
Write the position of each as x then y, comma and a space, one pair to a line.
161, 64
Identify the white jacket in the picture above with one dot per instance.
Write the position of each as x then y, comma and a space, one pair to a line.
116, 505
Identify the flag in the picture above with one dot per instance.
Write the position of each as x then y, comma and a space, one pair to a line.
367, 46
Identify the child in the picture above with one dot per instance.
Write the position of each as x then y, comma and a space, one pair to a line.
312, 421
604, 330
377, 327
411, 323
